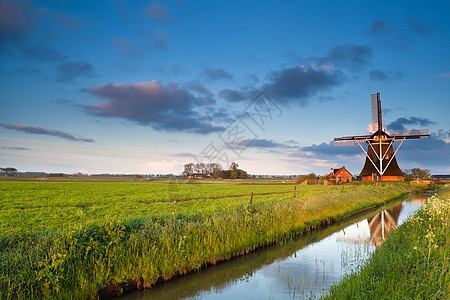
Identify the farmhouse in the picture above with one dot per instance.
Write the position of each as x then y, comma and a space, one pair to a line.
340, 175
199, 176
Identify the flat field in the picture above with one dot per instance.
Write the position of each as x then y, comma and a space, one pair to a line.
34, 205
67, 239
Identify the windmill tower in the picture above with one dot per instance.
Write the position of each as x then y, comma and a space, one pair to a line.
380, 155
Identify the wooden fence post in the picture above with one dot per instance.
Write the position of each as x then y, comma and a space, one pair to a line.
251, 198
343, 184
295, 190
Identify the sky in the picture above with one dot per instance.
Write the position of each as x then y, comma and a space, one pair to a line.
144, 87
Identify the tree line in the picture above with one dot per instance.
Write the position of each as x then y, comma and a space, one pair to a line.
214, 170
416, 173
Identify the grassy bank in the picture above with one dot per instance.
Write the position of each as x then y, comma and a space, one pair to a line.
413, 263
150, 242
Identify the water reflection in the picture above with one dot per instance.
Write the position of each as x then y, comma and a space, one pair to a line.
299, 269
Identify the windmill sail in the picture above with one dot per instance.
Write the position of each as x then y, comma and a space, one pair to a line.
375, 105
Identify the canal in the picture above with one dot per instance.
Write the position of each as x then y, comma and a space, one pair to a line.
302, 268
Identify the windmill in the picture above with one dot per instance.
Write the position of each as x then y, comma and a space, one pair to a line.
380, 155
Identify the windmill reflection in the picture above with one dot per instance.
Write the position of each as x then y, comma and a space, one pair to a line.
383, 222
379, 225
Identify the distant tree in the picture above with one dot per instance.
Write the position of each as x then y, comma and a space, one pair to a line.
234, 166
226, 174
234, 174
302, 178
242, 174
188, 169
8, 171
216, 173
407, 177
421, 174
417, 173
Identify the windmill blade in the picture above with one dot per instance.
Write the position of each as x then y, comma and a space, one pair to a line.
344, 143
411, 133
374, 107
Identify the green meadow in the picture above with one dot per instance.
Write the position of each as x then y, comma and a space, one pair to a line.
67, 239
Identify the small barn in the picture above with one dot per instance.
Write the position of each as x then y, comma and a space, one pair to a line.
199, 176
340, 175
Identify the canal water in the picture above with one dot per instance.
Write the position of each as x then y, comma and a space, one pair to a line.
302, 268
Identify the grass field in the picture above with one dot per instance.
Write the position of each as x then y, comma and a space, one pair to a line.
413, 263
67, 239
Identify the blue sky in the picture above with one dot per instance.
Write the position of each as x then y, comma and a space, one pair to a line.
147, 86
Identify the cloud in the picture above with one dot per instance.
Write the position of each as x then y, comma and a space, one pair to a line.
126, 47
414, 25
400, 123
263, 143
444, 75
397, 37
67, 72
428, 153
28, 71
173, 70
297, 84
234, 95
348, 57
126, 67
184, 154
162, 167
329, 150
160, 40
44, 131
14, 148
43, 53
19, 22
216, 73
170, 108
62, 19
383, 76
17, 18
381, 27
159, 11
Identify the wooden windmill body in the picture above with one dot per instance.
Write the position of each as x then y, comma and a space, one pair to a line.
381, 164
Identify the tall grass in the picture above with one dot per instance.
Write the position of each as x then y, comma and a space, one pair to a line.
75, 262
413, 263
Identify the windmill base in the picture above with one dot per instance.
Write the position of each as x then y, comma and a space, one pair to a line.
383, 178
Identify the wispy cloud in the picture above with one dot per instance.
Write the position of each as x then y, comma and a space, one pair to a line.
444, 75
160, 39
45, 131
385, 75
350, 57
14, 148
67, 72
126, 47
398, 36
19, 22
159, 11
216, 73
